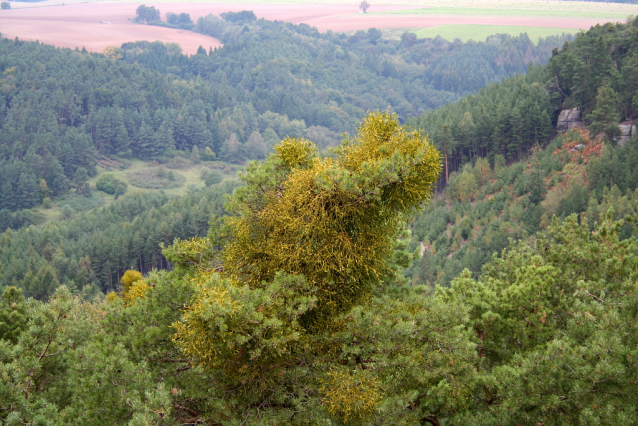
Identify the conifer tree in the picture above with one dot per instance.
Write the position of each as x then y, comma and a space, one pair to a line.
311, 238
604, 117
13, 314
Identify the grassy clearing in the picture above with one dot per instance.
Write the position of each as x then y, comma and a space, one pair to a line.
141, 177
188, 176
506, 11
482, 32
156, 178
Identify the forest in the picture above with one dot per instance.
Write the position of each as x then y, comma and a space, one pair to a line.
467, 265
61, 111
491, 196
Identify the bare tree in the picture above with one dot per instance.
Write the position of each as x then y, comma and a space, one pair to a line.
364, 6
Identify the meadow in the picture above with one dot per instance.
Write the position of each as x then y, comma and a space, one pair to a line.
482, 32
141, 178
507, 11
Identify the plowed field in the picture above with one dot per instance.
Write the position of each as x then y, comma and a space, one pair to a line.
97, 25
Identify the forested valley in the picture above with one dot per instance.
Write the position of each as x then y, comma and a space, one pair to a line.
62, 110
458, 259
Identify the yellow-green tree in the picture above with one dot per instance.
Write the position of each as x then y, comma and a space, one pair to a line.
332, 220
128, 279
310, 239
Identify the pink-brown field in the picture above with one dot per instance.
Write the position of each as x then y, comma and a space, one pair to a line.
97, 25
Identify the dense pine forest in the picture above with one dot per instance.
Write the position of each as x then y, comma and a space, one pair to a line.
61, 111
468, 264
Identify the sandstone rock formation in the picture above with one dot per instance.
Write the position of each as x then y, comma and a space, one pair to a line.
568, 120
627, 131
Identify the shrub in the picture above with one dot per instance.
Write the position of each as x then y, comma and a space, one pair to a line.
208, 154
213, 178
79, 203
110, 184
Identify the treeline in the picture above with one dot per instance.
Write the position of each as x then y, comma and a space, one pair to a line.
90, 252
423, 73
60, 110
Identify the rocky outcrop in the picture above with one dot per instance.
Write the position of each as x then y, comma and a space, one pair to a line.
627, 131
569, 119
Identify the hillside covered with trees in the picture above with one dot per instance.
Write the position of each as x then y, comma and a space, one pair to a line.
486, 202
597, 73
62, 111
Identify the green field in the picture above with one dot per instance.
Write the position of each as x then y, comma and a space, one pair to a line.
189, 179
481, 32
190, 174
506, 11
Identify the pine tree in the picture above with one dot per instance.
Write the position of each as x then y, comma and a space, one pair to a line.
81, 181
7, 198
446, 145
145, 141
195, 156
604, 118
319, 233
28, 191
629, 84
13, 314
164, 139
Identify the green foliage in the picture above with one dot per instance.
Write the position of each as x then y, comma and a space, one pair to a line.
110, 184
245, 16
208, 155
33, 372
147, 15
505, 120
517, 201
533, 313
463, 186
42, 284
295, 309
604, 117
305, 215
90, 251
597, 63
148, 99
80, 203
223, 314
213, 178
13, 314
183, 20
312, 239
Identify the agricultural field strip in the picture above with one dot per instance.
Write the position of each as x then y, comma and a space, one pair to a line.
481, 32
504, 12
